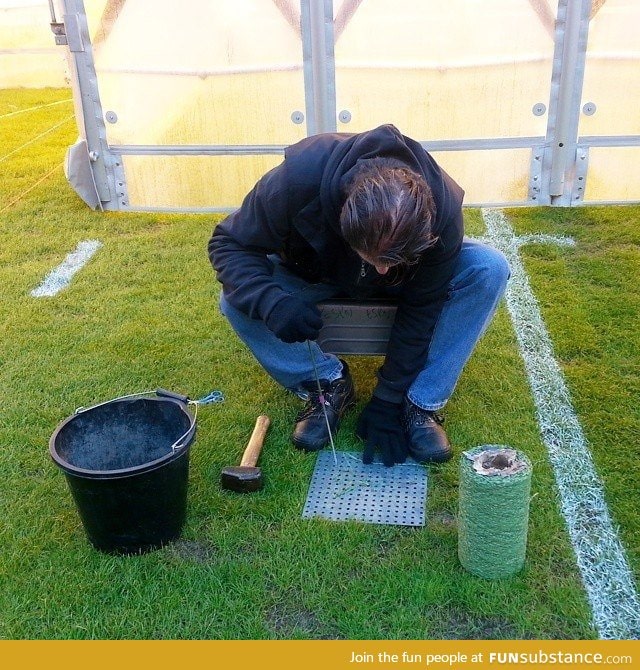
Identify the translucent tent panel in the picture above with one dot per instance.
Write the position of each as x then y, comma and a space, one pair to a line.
611, 103
195, 181
497, 176
28, 54
192, 181
613, 175
443, 70
612, 70
455, 71
184, 106
211, 72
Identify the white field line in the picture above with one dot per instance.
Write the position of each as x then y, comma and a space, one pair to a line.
61, 276
601, 559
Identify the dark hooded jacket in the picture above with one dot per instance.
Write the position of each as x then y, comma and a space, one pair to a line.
294, 211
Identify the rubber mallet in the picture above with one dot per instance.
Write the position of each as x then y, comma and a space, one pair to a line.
247, 477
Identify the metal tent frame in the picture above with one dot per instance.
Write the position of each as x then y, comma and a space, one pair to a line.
559, 166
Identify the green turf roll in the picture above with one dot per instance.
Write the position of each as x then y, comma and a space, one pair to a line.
493, 510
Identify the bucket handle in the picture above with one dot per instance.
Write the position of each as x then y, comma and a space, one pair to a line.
161, 393
179, 443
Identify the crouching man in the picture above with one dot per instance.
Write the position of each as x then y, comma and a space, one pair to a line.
360, 216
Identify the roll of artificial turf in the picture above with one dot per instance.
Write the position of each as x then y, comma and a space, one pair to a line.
493, 510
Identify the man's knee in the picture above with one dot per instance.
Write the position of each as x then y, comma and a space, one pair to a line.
495, 270
222, 303
486, 269
228, 310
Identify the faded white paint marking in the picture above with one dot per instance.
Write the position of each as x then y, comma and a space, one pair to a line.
560, 240
601, 559
61, 276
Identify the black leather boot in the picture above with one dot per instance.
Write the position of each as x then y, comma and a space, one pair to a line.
428, 443
310, 432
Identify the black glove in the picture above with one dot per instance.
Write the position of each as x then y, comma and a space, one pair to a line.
379, 426
293, 320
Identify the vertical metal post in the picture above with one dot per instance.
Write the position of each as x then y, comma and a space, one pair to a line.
564, 107
319, 65
87, 101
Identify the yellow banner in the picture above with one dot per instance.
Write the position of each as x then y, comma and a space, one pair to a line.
325, 655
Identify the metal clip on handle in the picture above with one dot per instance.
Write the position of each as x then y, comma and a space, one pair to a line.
163, 393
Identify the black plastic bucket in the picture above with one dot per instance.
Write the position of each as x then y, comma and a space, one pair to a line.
126, 462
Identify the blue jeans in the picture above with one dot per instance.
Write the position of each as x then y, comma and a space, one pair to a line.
479, 281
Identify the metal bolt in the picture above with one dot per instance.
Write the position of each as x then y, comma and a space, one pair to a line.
297, 117
344, 116
539, 109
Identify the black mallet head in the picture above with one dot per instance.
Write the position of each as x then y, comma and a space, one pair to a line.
247, 477
241, 478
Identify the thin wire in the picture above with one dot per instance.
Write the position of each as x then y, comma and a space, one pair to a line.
192, 426
412, 464
32, 109
36, 138
80, 410
18, 198
178, 443
322, 401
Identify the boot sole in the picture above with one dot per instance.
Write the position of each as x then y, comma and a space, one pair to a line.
441, 456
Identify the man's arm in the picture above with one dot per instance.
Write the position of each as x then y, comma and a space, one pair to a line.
418, 311
239, 246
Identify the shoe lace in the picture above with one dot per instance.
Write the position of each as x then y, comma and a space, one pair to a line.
313, 406
421, 417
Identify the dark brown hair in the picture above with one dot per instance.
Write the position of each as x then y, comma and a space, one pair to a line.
388, 213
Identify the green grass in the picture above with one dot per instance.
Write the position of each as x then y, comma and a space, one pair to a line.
591, 303
143, 314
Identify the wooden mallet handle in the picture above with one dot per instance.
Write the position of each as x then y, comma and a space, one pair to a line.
254, 447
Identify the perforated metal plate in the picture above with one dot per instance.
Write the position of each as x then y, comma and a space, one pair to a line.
350, 490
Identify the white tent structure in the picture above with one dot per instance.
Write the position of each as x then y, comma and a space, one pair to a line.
28, 54
184, 105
